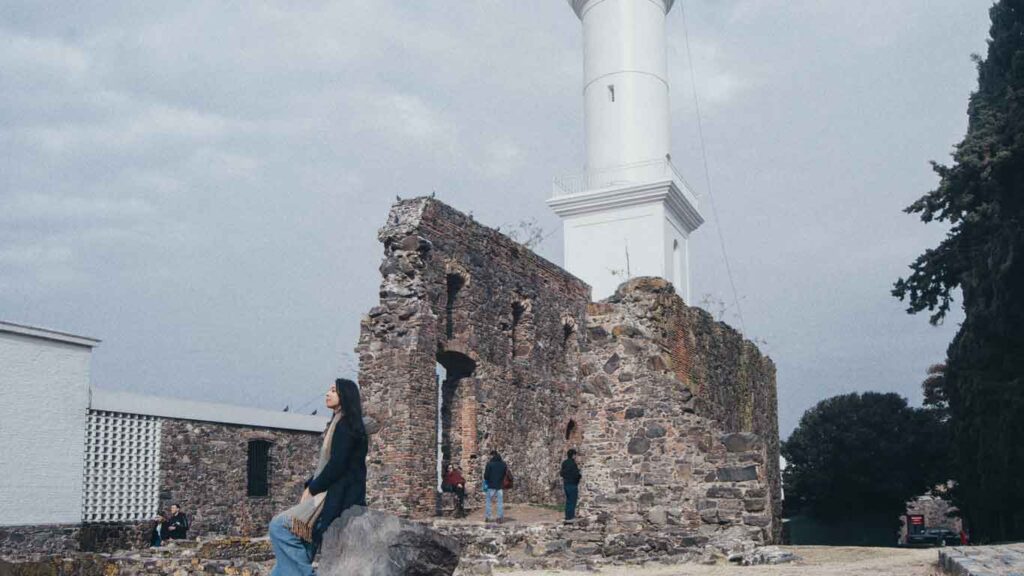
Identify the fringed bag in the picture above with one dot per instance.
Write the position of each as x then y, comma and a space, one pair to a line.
303, 523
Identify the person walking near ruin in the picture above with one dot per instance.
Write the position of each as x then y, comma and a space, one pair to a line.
177, 524
494, 478
338, 483
571, 482
454, 482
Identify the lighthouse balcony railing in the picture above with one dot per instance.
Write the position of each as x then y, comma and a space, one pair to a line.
624, 175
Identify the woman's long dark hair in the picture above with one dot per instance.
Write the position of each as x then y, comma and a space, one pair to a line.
351, 406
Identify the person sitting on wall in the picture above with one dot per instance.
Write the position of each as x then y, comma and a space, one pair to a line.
156, 536
177, 524
338, 484
454, 482
495, 475
571, 482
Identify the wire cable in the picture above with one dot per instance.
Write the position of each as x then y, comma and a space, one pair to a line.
707, 170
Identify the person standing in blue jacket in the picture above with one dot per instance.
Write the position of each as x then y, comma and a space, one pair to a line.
494, 477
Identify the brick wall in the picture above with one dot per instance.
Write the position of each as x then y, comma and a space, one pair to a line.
505, 322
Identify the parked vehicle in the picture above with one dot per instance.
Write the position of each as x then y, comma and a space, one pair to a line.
944, 537
934, 537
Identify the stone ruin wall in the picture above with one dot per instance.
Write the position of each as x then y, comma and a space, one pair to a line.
659, 450
203, 469
61, 539
674, 413
459, 293
734, 384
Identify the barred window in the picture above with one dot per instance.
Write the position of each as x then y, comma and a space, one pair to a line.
259, 468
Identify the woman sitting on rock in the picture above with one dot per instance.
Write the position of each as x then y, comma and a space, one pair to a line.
338, 483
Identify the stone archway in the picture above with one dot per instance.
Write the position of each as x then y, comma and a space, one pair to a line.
457, 442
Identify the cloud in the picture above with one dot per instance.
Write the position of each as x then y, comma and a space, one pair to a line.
501, 158
36, 255
35, 207
27, 59
170, 166
720, 78
139, 125
407, 121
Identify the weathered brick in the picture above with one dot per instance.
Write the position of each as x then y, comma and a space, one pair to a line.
660, 406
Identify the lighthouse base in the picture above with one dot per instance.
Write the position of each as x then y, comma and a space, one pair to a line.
620, 232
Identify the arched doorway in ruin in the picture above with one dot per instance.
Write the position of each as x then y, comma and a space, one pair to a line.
456, 415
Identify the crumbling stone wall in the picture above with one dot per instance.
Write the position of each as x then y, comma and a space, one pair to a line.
656, 456
203, 469
674, 414
17, 541
43, 540
490, 311
733, 382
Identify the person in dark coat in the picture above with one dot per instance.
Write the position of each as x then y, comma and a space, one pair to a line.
338, 484
156, 536
494, 479
571, 482
177, 524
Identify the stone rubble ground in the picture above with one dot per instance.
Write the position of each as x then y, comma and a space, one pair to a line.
535, 545
233, 556
1002, 560
814, 561
252, 557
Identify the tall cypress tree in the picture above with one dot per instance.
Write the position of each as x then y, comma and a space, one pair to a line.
981, 195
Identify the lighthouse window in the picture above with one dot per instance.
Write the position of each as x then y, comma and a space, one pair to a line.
611, 92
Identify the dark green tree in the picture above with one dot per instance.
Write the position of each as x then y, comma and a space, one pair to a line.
863, 454
981, 197
934, 389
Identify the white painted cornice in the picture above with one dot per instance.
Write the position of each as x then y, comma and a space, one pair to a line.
47, 334
665, 191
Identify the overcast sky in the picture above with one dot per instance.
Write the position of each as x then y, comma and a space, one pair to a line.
199, 184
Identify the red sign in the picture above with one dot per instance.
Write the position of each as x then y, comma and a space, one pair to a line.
917, 520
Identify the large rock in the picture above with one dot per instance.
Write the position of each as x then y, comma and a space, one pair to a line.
741, 442
737, 473
366, 542
764, 555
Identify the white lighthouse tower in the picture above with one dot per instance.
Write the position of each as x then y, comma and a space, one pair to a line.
630, 213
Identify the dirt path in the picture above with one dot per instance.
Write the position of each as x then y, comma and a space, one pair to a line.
816, 561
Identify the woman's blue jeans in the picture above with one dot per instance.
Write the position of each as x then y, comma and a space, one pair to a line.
491, 495
294, 555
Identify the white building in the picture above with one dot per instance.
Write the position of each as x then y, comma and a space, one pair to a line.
44, 399
630, 213
76, 456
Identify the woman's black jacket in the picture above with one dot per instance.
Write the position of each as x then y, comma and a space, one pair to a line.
343, 478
